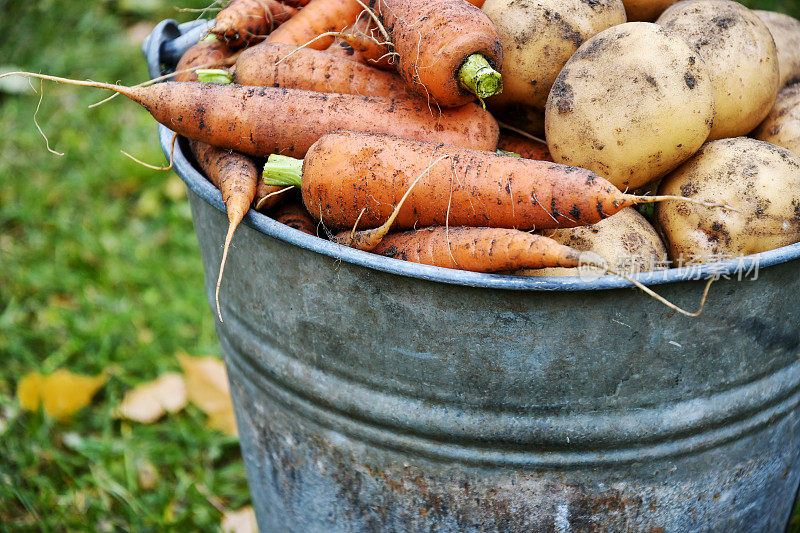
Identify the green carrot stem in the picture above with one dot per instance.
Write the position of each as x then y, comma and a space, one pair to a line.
283, 171
479, 78
214, 75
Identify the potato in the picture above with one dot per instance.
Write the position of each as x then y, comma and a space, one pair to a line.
786, 32
782, 126
626, 241
740, 54
632, 104
760, 180
645, 10
538, 37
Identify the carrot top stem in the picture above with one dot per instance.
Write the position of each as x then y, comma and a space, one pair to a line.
479, 78
283, 171
214, 75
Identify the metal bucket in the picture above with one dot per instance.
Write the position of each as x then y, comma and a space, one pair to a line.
378, 395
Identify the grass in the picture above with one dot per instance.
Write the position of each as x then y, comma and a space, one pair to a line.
99, 269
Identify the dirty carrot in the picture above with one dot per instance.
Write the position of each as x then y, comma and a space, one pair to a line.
272, 120
446, 49
245, 21
236, 177
319, 16
498, 250
346, 173
524, 147
365, 38
342, 49
295, 216
283, 65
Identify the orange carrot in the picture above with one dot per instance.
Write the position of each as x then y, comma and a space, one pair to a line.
267, 196
365, 38
283, 65
527, 148
295, 216
319, 16
341, 48
498, 250
236, 177
207, 53
477, 249
245, 21
265, 120
355, 180
234, 174
446, 49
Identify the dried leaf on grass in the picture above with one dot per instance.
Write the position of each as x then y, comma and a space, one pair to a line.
241, 521
148, 402
61, 393
207, 387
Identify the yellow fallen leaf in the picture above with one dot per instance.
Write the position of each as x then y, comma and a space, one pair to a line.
29, 391
241, 521
207, 387
148, 402
62, 393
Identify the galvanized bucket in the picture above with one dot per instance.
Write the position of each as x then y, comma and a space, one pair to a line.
378, 395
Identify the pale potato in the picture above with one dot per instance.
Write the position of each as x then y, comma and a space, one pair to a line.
645, 10
786, 32
632, 104
740, 53
758, 179
782, 126
539, 36
626, 241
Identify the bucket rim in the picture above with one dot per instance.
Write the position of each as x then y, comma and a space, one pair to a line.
737, 267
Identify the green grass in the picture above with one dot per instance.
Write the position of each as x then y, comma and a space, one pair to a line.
99, 269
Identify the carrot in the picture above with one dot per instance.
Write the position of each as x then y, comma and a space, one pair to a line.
364, 37
527, 148
319, 16
446, 49
236, 177
346, 173
283, 65
477, 249
264, 120
234, 174
341, 48
245, 21
267, 196
295, 216
208, 52
497, 250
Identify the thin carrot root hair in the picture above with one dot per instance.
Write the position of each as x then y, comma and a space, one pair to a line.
519, 131
367, 240
153, 167
308, 43
636, 199
270, 195
226, 246
653, 294
227, 62
36, 122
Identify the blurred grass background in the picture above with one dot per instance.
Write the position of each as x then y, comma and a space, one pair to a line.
99, 270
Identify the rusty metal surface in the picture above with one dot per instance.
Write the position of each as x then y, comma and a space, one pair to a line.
372, 402
376, 395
